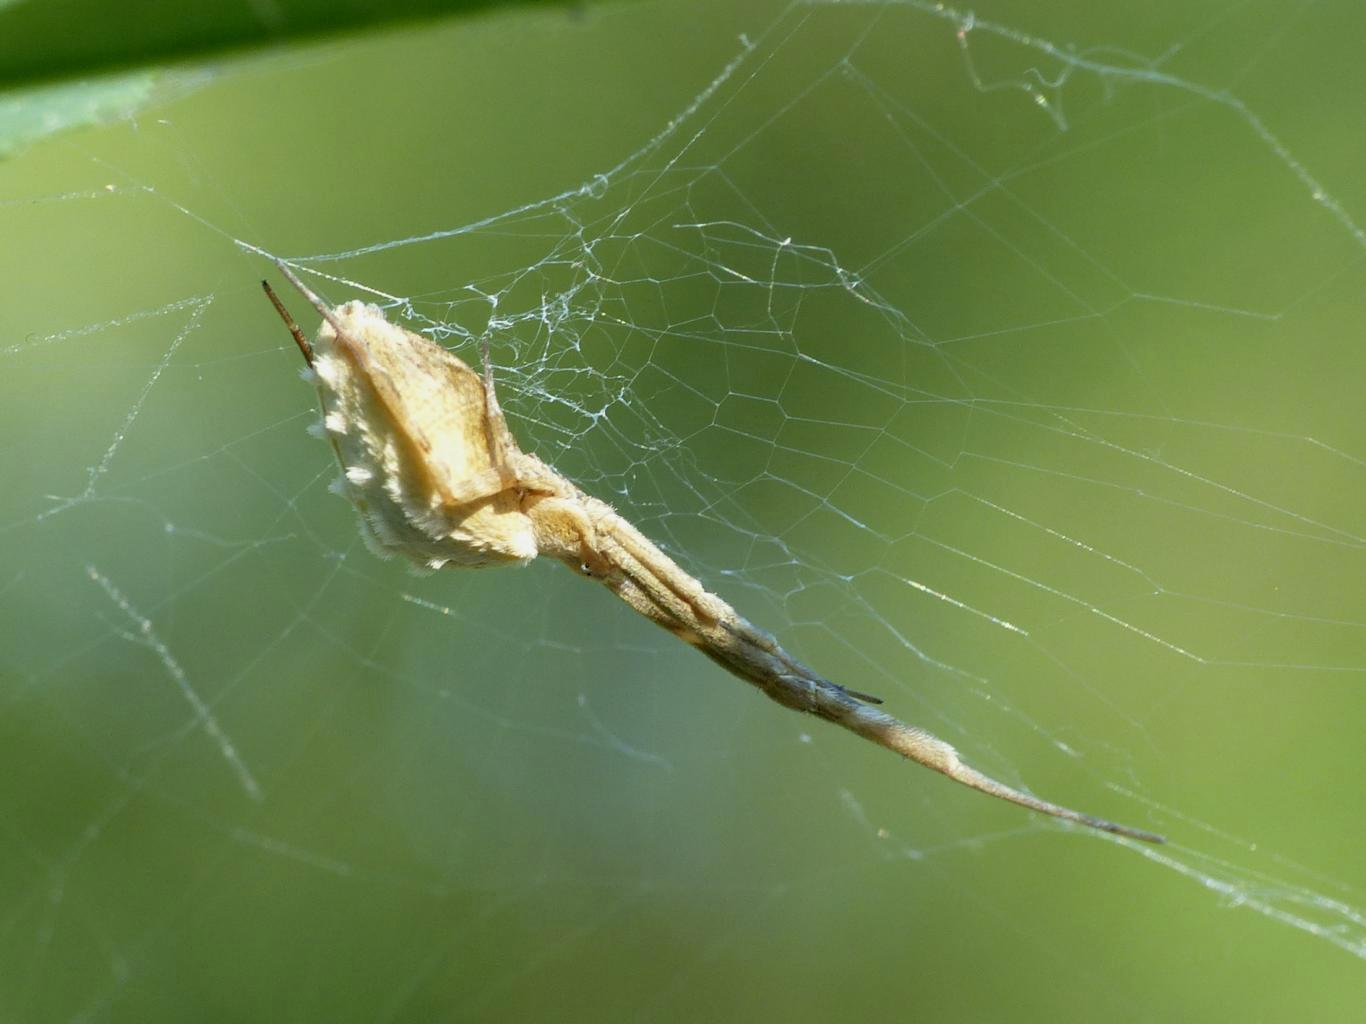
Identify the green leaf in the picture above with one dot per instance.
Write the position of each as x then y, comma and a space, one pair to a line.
41, 41
69, 63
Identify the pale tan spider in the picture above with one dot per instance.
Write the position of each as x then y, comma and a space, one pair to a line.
437, 477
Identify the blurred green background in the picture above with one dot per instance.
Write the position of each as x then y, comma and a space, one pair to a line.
1008, 368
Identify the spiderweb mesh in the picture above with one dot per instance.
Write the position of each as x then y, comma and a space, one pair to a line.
1007, 366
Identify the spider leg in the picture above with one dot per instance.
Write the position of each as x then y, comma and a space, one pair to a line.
654, 585
867, 698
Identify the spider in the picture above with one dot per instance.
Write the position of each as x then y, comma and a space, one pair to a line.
437, 477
